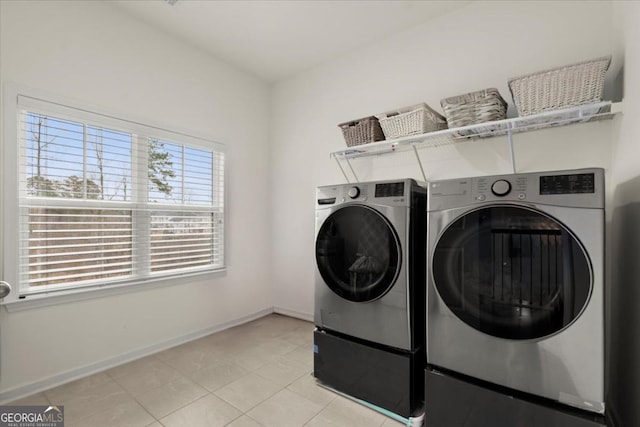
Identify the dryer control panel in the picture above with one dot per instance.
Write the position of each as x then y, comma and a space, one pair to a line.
578, 183
578, 188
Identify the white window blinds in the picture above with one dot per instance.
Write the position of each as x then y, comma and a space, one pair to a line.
104, 200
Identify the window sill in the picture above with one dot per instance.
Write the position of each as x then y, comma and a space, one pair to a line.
81, 294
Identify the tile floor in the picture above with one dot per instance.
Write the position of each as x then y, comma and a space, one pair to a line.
256, 374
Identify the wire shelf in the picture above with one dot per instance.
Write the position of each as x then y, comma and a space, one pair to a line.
483, 131
580, 114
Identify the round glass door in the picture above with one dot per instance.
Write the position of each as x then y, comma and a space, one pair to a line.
512, 272
358, 253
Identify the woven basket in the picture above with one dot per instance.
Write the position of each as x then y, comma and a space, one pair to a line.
413, 120
575, 84
473, 108
361, 131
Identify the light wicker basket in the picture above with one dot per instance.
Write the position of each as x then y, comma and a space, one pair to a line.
562, 87
473, 108
361, 131
413, 120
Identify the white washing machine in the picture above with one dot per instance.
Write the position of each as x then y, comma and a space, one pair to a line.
370, 291
515, 282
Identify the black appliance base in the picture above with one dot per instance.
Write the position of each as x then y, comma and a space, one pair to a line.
388, 378
454, 401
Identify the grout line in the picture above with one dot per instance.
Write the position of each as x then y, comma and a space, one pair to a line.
122, 359
275, 327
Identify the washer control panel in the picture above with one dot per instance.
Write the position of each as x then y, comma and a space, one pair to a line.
388, 193
390, 189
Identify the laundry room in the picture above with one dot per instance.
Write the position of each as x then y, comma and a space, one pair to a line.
242, 105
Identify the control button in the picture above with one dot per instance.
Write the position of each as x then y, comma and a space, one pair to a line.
522, 196
501, 187
481, 197
353, 192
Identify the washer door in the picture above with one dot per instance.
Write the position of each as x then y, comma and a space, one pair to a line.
358, 253
512, 272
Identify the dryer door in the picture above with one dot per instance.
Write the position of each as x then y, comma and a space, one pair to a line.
512, 272
358, 253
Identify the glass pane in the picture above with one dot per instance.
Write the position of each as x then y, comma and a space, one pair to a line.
165, 170
54, 155
185, 240
67, 246
109, 163
512, 272
197, 176
357, 253
179, 174
61, 161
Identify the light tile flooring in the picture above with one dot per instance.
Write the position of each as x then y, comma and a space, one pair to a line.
256, 374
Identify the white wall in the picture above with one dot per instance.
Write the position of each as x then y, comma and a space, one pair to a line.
625, 293
92, 52
479, 46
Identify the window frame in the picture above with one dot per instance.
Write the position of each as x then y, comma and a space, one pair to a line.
17, 98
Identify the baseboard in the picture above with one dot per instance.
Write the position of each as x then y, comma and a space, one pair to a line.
293, 313
75, 374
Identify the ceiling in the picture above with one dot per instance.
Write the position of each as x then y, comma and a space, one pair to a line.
276, 39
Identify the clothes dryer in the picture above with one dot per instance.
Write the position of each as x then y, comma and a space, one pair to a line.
370, 291
516, 282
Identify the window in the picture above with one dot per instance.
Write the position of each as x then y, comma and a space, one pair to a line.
105, 201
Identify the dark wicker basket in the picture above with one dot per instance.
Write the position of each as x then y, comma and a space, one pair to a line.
362, 131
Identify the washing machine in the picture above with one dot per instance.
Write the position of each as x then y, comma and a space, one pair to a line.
370, 291
515, 283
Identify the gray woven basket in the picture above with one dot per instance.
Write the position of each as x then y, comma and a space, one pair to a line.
413, 120
473, 108
361, 131
562, 87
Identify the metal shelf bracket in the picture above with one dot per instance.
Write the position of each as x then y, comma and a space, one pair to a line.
415, 150
511, 152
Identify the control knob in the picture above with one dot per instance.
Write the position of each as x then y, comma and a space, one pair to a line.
353, 192
501, 187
